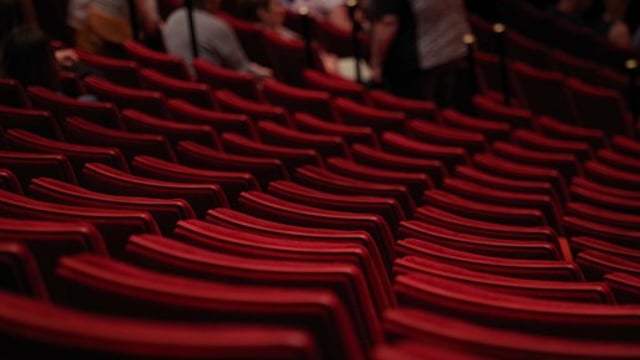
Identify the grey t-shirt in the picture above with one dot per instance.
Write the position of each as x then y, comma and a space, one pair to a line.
217, 43
440, 26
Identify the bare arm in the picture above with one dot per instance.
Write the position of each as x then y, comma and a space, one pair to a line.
339, 17
384, 31
149, 16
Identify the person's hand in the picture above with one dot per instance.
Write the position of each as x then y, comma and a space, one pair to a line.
376, 74
66, 57
260, 72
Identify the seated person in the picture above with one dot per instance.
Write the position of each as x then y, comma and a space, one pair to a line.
27, 57
333, 11
216, 41
270, 15
612, 25
103, 25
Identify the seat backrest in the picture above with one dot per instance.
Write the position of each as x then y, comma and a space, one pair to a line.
420, 109
351, 112
233, 183
196, 93
49, 241
435, 216
115, 225
490, 308
229, 101
218, 78
477, 244
173, 130
264, 170
200, 196
9, 182
233, 219
272, 208
298, 99
535, 86
490, 109
327, 145
131, 144
600, 108
351, 133
330, 181
287, 57
26, 166
35, 121
151, 102
221, 121
551, 270
151, 295
38, 329
343, 279
167, 64
166, 212
118, 71
61, 106
427, 326
19, 272
12, 94
251, 38
291, 157
386, 207
584, 292
78, 155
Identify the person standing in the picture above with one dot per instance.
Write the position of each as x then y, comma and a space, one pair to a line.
417, 47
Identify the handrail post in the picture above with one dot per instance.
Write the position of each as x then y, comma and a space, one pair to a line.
499, 30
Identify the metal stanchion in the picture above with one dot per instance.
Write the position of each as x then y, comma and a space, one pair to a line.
352, 5
133, 19
501, 46
192, 29
632, 70
470, 41
306, 33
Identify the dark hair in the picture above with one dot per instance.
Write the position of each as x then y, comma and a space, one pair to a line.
27, 56
248, 9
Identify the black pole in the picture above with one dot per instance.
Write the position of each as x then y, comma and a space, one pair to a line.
192, 29
632, 70
306, 33
133, 19
352, 5
499, 30
470, 41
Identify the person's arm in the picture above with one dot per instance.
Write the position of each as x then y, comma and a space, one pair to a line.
222, 43
383, 32
149, 16
620, 35
339, 17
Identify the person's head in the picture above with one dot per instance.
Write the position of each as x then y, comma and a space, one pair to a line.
269, 13
27, 56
